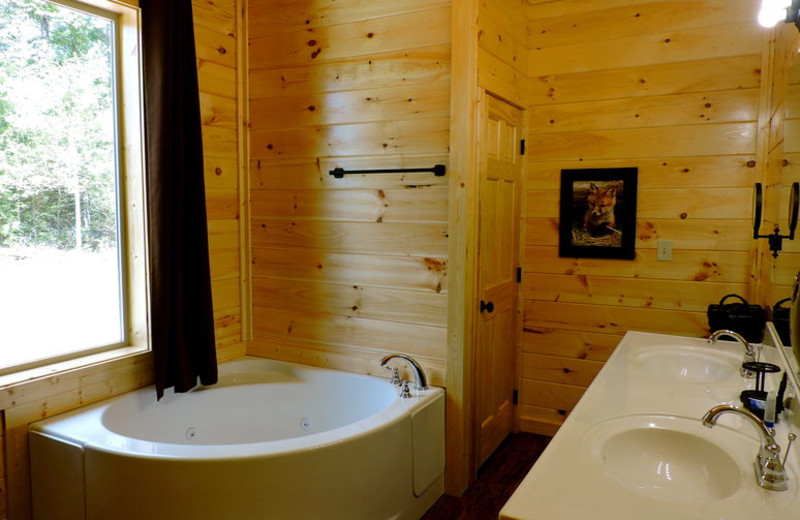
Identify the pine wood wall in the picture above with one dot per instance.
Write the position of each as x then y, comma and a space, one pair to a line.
216, 27
345, 271
673, 88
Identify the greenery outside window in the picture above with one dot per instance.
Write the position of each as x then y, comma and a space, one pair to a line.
72, 248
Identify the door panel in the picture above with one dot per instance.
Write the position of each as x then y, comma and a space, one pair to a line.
500, 171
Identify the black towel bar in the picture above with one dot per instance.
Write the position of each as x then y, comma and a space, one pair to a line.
437, 170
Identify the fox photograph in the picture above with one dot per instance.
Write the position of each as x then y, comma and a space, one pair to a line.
598, 213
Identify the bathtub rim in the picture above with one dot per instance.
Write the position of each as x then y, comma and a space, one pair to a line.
65, 426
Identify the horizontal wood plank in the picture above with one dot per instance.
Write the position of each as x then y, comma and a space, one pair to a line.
608, 21
661, 172
413, 339
416, 101
281, 16
426, 64
425, 136
379, 270
379, 303
381, 205
418, 239
717, 266
612, 319
568, 371
665, 46
725, 106
629, 292
635, 143
591, 346
360, 38
700, 75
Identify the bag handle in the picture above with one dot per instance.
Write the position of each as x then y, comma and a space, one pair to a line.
780, 303
722, 301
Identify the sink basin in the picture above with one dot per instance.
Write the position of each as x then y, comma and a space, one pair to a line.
687, 364
668, 458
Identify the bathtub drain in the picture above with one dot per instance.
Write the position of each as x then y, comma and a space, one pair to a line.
191, 433
305, 424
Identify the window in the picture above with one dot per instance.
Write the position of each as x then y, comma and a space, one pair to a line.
72, 262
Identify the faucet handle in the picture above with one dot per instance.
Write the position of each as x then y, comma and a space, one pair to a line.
395, 375
792, 438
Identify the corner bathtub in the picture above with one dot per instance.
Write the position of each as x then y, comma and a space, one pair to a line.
272, 440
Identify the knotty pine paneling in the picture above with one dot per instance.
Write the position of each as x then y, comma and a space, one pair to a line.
351, 269
699, 75
503, 49
675, 89
660, 172
216, 28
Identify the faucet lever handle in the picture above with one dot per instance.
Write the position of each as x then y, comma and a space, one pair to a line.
395, 375
792, 438
405, 393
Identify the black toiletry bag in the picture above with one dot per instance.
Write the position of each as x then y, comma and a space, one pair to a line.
746, 319
780, 317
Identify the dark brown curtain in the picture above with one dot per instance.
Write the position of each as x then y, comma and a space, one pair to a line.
181, 314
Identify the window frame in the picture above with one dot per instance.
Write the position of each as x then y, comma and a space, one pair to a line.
131, 196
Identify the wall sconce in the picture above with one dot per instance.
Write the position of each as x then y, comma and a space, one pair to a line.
776, 239
774, 11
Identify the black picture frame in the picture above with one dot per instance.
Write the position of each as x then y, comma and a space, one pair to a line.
597, 216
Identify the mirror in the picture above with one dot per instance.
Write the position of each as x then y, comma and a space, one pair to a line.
788, 360
794, 325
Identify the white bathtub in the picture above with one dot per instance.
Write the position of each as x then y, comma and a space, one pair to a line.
272, 441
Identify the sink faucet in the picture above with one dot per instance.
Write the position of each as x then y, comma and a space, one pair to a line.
749, 351
769, 470
421, 382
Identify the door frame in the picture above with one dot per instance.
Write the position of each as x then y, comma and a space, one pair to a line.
482, 162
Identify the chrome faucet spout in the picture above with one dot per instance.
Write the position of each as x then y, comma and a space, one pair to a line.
711, 416
749, 350
769, 470
420, 380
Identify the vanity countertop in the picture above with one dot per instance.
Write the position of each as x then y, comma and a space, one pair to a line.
658, 382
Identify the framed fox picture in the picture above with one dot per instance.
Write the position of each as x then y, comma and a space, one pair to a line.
597, 217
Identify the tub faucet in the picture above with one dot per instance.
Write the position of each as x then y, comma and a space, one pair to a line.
769, 470
749, 350
420, 381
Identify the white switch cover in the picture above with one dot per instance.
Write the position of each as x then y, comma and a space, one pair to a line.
665, 250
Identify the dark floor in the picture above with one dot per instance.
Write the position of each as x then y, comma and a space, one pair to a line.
497, 480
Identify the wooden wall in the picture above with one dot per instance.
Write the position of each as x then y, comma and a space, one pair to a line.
503, 49
670, 87
216, 24
345, 271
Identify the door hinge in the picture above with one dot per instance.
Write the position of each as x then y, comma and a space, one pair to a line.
519, 275
522, 147
515, 398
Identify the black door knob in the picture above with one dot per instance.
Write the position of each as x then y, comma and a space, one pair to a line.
487, 306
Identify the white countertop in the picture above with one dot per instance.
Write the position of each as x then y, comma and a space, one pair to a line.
568, 482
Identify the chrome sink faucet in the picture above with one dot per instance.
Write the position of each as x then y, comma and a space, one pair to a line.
420, 381
749, 350
769, 470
